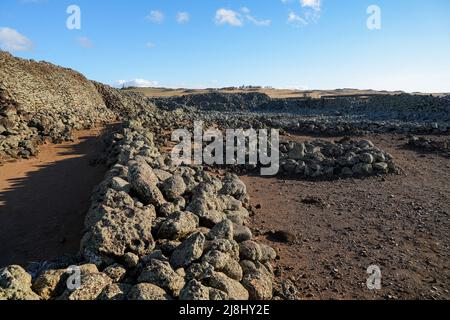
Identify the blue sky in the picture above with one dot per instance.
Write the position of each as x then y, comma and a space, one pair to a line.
307, 44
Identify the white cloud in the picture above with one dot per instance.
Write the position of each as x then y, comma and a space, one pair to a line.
310, 13
139, 83
295, 19
155, 16
150, 45
314, 4
252, 19
11, 40
183, 17
225, 16
245, 10
85, 42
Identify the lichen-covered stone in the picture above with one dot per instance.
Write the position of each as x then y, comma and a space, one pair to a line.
189, 251
147, 292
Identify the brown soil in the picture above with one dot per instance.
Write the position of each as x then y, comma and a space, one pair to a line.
400, 223
43, 201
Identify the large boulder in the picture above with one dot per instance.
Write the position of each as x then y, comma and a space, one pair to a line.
119, 232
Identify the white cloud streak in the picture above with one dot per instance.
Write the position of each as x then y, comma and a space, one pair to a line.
155, 16
139, 83
85, 42
230, 17
183, 17
11, 40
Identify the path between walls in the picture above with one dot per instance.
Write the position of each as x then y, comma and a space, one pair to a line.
43, 200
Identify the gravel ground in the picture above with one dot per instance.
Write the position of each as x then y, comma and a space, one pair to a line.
397, 222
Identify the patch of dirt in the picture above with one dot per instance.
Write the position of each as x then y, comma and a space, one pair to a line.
43, 200
400, 223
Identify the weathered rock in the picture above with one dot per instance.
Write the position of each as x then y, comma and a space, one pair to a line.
161, 274
174, 187
233, 186
189, 251
267, 253
233, 270
130, 260
241, 233
217, 295
119, 232
250, 250
14, 277
297, 152
50, 283
366, 158
194, 291
259, 285
232, 288
199, 271
120, 184
91, 287
144, 182
115, 291
217, 259
148, 292
222, 230
116, 272
178, 226
18, 294
381, 167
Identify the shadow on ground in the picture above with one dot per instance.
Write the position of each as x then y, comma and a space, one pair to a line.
42, 214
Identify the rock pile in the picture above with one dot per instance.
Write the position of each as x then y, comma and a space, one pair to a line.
41, 85
215, 101
430, 145
159, 231
126, 104
404, 108
325, 159
40, 101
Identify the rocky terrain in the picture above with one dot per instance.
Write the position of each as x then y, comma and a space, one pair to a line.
160, 231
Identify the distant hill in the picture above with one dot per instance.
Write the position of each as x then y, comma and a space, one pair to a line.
273, 93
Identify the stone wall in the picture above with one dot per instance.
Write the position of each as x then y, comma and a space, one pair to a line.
41, 85
157, 231
125, 103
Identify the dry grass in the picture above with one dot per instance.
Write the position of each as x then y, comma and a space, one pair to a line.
273, 93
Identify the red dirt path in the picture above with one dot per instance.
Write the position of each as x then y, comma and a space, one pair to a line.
43, 200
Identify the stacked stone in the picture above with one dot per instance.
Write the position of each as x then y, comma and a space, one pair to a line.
430, 145
325, 159
160, 231
40, 101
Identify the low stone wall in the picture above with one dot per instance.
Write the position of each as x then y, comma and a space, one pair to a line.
158, 231
339, 159
430, 145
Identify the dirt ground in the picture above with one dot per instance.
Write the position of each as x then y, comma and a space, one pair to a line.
43, 201
400, 223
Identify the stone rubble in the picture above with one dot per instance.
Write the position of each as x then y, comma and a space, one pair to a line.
167, 236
